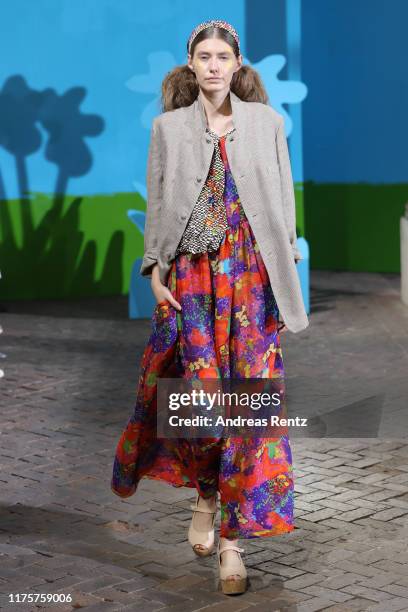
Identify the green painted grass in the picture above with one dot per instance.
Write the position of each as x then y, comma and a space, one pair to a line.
53, 247
354, 227
71, 246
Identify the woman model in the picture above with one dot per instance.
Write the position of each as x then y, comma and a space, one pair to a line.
220, 248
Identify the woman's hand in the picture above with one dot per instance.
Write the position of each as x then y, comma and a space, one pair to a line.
282, 327
160, 291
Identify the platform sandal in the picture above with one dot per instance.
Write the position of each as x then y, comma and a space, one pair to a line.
202, 538
233, 575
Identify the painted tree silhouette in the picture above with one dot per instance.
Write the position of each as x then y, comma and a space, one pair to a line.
21, 137
51, 250
67, 126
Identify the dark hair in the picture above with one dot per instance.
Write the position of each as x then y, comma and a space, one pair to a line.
180, 87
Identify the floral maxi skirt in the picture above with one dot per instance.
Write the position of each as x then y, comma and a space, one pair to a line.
228, 327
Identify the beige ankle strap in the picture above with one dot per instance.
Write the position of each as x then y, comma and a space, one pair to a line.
197, 509
227, 547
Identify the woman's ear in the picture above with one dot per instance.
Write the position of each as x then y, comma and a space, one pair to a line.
190, 62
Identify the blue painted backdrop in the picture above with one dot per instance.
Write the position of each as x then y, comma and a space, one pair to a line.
79, 85
99, 45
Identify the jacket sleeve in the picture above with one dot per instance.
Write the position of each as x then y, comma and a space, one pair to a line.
288, 194
154, 178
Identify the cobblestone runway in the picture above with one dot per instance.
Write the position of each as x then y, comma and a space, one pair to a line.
69, 385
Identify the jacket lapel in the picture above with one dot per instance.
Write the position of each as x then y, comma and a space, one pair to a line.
203, 147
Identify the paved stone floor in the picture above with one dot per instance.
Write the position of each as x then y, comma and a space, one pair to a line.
68, 389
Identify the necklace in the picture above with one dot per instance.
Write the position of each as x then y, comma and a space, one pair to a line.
218, 135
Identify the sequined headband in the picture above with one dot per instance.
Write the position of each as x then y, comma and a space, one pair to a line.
210, 24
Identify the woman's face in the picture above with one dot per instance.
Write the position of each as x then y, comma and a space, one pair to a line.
214, 64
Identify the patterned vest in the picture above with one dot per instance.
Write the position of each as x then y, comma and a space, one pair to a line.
208, 221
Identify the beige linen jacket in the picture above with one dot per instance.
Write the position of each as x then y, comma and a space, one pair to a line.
179, 158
